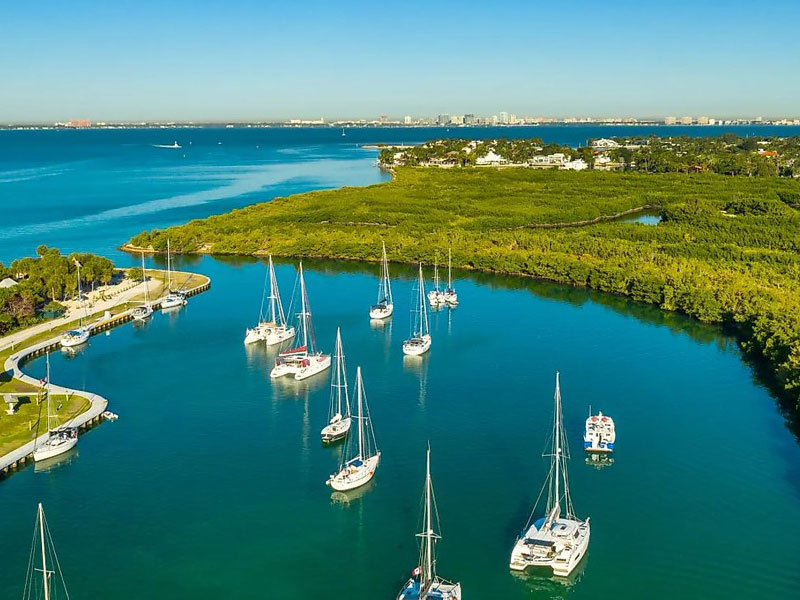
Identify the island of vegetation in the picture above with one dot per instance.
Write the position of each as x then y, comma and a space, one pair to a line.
725, 250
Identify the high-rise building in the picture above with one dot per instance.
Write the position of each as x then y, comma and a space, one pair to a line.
687, 120
469, 119
443, 119
504, 118
407, 120
702, 121
670, 120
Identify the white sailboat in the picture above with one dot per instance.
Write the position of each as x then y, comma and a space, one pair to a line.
361, 456
450, 295
554, 541
52, 579
436, 295
273, 329
59, 439
76, 337
339, 412
420, 340
425, 584
384, 308
145, 311
305, 360
174, 298
600, 433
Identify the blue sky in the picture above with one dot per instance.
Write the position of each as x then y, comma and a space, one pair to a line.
197, 60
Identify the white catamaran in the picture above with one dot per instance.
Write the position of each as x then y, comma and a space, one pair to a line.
49, 569
420, 340
554, 541
302, 361
436, 295
339, 412
450, 295
174, 298
273, 329
384, 307
145, 311
76, 337
60, 438
361, 456
424, 583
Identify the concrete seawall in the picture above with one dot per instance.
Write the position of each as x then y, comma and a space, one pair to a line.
87, 419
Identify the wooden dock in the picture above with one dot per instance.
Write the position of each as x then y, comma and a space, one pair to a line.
86, 420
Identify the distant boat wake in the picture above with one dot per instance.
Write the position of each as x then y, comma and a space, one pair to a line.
174, 145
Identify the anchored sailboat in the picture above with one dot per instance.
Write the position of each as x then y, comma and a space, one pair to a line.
76, 337
359, 462
52, 579
554, 541
384, 307
436, 296
174, 298
305, 360
339, 412
420, 340
273, 328
450, 295
59, 438
425, 584
145, 311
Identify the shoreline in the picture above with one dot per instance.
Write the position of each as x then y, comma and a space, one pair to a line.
19, 456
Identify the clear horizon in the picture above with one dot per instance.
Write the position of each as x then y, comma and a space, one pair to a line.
246, 61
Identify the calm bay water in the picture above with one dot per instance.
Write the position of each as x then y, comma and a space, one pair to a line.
211, 484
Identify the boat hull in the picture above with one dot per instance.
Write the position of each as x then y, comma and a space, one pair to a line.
334, 432
351, 478
142, 313
278, 335
381, 312
70, 341
561, 563
51, 450
417, 346
297, 368
173, 301
439, 590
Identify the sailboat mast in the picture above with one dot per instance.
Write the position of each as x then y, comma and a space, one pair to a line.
449, 268
169, 270
557, 442
428, 524
144, 281
339, 371
273, 314
423, 311
360, 393
45, 579
387, 286
303, 314
47, 393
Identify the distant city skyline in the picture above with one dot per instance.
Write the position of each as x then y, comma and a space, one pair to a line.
249, 61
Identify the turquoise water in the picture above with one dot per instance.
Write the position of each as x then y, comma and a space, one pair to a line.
211, 484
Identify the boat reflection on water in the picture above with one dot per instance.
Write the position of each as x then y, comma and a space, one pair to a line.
599, 461
288, 387
73, 351
381, 324
51, 464
349, 497
542, 580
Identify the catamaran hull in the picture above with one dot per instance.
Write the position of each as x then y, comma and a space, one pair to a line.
276, 336
560, 565
436, 299
316, 364
335, 431
49, 451
349, 480
602, 448
383, 312
417, 349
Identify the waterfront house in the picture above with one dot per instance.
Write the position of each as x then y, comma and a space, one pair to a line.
492, 158
7, 283
575, 165
604, 144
